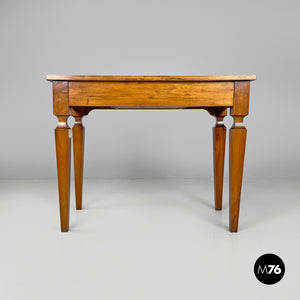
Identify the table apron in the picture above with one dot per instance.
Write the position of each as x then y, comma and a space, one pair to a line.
151, 94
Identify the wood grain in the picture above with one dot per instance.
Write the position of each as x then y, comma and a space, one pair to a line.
78, 150
150, 78
237, 144
150, 94
60, 98
63, 148
219, 138
81, 94
240, 99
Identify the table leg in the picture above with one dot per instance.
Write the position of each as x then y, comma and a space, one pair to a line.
219, 138
237, 143
63, 149
78, 149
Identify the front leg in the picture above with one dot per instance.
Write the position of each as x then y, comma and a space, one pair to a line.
63, 148
237, 144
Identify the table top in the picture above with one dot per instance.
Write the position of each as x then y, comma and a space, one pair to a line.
150, 78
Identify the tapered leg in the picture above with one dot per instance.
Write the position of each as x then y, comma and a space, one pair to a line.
237, 143
78, 148
63, 149
219, 138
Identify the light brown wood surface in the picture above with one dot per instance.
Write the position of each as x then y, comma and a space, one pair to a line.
77, 95
219, 141
150, 78
237, 144
60, 98
240, 99
63, 149
150, 94
78, 150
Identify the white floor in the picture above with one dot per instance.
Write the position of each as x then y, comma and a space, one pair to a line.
146, 239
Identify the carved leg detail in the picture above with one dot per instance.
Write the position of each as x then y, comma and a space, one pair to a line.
237, 143
78, 148
63, 149
219, 138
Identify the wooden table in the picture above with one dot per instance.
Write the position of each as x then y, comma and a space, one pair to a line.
78, 95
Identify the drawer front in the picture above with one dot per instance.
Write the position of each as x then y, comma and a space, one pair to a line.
151, 94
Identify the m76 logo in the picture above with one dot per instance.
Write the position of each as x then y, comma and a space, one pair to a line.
269, 269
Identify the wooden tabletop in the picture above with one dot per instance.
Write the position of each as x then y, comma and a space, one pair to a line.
150, 78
